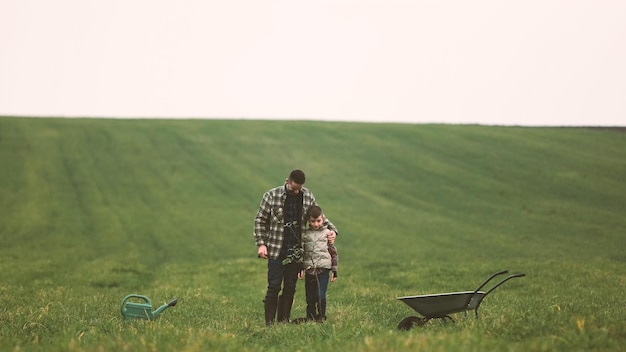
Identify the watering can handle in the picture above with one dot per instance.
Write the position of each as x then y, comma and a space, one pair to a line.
133, 295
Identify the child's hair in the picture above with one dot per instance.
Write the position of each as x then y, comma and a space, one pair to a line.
314, 212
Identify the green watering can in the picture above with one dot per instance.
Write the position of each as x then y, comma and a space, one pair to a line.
134, 310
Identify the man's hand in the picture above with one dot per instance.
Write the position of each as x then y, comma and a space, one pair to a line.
262, 251
331, 237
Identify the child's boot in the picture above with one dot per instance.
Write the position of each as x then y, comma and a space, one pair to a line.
310, 312
322, 311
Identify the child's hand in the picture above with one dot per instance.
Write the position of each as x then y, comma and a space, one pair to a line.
301, 274
333, 276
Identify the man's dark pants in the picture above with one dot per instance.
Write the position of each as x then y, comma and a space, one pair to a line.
280, 275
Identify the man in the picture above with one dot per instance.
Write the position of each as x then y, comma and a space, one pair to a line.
278, 226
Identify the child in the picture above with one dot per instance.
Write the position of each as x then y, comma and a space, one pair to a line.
319, 259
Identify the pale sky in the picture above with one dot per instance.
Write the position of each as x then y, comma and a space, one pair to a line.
532, 62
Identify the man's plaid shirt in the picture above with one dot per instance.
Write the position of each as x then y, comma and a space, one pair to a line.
269, 220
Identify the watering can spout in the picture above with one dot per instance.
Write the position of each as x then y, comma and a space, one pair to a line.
159, 310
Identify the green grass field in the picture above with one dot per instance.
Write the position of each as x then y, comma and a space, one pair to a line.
94, 209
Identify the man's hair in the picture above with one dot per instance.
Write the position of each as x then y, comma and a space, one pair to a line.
314, 212
297, 176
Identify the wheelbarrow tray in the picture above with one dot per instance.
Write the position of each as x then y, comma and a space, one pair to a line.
443, 304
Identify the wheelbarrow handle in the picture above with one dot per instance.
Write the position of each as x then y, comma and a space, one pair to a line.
489, 279
505, 280
482, 296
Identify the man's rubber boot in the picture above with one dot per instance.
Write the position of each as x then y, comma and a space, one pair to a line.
284, 308
271, 305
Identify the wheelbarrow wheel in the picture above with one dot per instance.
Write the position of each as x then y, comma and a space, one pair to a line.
409, 322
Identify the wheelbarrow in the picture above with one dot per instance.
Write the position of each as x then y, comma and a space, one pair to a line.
441, 305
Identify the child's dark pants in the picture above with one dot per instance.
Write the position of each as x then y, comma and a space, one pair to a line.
316, 287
